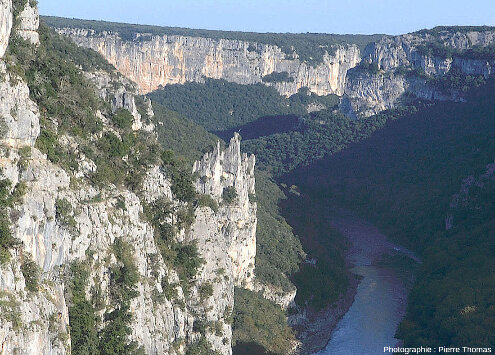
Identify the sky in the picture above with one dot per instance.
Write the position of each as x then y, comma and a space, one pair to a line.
324, 16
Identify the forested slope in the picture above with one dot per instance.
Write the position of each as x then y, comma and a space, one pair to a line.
427, 180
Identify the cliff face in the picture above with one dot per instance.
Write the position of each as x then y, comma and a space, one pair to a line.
165, 315
163, 60
387, 74
218, 171
5, 24
388, 71
29, 21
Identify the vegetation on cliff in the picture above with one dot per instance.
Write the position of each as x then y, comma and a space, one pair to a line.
68, 104
278, 250
257, 320
310, 47
90, 333
8, 198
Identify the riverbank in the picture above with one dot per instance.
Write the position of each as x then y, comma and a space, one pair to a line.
378, 272
314, 328
325, 285
386, 270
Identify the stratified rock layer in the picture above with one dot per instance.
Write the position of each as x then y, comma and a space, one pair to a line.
389, 69
163, 60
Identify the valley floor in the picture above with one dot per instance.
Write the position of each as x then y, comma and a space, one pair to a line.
367, 314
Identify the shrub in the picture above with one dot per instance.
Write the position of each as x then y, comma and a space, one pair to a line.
201, 347
47, 143
207, 201
188, 261
64, 214
278, 77
182, 186
7, 200
185, 217
112, 145
205, 290
229, 194
169, 290
260, 321
123, 119
25, 155
82, 315
31, 272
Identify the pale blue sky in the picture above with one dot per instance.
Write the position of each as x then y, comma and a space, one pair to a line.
328, 16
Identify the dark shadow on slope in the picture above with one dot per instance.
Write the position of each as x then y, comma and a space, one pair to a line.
249, 349
263, 126
411, 167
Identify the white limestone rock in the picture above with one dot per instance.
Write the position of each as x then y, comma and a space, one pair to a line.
5, 24
368, 92
19, 115
155, 61
29, 21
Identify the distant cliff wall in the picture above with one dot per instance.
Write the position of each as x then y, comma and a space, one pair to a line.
402, 67
388, 73
157, 61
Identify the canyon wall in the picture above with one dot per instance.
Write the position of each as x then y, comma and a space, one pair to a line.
162, 60
5, 24
62, 219
387, 74
404, 67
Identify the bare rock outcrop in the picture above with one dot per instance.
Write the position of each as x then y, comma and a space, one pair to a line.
29, 21
220, 171
402, 67
162, 60
96, 217
5, 24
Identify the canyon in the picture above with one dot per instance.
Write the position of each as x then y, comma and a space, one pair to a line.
384, 75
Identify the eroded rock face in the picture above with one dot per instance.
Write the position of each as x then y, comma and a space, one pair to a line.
36, 322
159, 61
29, 21
121, 93
218, 171
225, 240
5, 24
394, 62
19, 114
154, 61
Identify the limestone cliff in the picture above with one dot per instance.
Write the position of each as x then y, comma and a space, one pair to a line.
63, 218
388, 73
29, 21
218, 171
402, 67
5, 24
162, 60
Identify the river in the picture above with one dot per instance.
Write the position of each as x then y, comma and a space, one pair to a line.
381, 297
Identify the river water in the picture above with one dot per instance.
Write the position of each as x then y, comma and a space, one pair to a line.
381, 298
